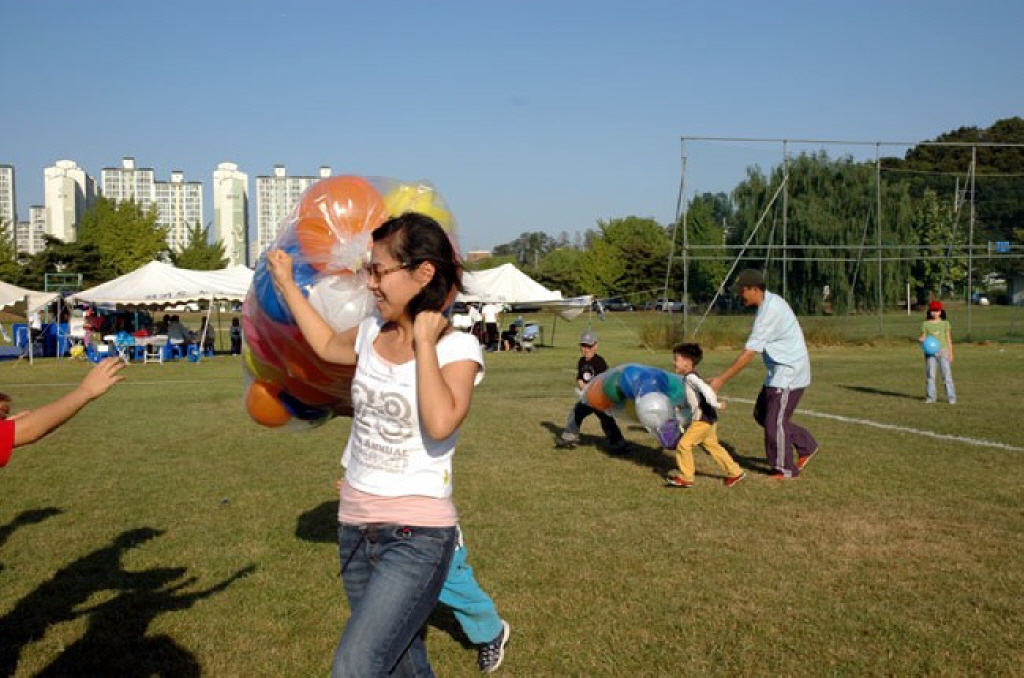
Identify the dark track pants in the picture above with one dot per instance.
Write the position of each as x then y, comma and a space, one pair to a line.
774, 411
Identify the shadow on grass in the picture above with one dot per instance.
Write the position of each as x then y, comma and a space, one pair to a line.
115, 642
661, 462
319, 525
870, 390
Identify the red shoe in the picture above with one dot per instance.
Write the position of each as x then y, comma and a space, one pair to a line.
779, 475
677, 481
804, 460
729, 482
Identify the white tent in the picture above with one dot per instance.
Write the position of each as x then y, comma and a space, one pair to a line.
157, 285
505, 284
23, 301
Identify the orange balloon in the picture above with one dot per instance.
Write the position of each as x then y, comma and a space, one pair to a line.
596, 397
264, 407
331, 211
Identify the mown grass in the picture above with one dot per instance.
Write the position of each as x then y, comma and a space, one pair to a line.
895, 554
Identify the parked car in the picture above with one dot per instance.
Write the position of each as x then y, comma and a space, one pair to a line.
617, 304
667, 305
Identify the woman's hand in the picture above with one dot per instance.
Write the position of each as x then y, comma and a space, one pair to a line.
428, 328
279, 263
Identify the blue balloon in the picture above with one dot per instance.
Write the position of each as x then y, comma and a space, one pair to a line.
931, 346
266, 296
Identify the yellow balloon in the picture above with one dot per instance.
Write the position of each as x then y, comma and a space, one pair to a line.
421, 199
260, 369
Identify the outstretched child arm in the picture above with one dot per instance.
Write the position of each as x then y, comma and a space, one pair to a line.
32, 425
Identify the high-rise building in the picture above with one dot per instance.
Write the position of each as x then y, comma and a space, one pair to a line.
179, 205
276, 197
68, 191
8, 205
231, 211
29, 234
129, 182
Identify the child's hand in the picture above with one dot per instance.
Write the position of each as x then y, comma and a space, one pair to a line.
5, 405
723, 404
102, 377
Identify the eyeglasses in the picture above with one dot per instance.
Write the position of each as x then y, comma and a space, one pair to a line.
376, 273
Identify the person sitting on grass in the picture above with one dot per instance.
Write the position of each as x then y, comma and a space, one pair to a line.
703, 427
29, 426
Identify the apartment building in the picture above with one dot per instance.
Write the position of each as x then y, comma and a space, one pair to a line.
276, 197
231, 211
68, 191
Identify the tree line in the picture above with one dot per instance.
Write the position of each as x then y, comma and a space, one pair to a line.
113, 238
853, 235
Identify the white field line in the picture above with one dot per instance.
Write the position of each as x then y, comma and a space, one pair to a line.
980, 442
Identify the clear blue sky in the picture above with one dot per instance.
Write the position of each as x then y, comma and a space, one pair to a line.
533, 115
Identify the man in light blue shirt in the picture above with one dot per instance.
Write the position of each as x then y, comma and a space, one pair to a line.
777, 336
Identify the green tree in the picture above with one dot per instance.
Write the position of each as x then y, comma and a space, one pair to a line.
9, 266
831, 205
706, 219
200, 255
941, 262
125, 235
643, 247
528, 249
561, 270
58, 256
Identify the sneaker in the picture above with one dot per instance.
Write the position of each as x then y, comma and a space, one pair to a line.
779, 475
677, 481
729, 482
804, 460
564, 444
491, 654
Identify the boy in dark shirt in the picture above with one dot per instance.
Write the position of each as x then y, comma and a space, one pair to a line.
588, 367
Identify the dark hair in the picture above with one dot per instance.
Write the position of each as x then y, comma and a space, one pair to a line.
413, 238
928, 314
692, 351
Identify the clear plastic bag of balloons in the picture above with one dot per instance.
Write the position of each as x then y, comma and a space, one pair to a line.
328, 235
648, 395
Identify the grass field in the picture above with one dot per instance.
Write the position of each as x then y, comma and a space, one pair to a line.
161, 532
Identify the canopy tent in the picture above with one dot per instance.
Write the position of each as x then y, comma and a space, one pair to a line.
158, 285
24, 302
506, 284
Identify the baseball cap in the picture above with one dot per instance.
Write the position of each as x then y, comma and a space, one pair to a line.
588, 339
935, 306
749, 277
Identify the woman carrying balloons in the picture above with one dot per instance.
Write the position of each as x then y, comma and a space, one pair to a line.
411, 392
937, 342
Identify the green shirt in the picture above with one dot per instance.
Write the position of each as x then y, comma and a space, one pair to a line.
940, 329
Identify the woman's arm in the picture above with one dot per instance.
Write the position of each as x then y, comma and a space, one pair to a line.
444, 394
334, 347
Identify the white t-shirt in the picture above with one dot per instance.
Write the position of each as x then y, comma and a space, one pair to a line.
388, 453
491, 312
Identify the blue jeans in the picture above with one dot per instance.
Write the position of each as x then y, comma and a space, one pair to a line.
392, 575
941, 361
470, 604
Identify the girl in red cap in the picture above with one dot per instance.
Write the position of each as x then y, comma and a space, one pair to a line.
936, 325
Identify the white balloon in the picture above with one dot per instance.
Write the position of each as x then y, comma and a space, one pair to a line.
342, 300
654, 409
